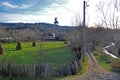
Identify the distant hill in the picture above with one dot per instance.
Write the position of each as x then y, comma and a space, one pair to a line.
28, 25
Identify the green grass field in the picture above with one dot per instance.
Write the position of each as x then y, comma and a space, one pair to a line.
55, 53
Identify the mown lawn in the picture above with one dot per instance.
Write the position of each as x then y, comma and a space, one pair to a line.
55, 53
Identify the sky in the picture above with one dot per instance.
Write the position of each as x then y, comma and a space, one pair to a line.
35, 11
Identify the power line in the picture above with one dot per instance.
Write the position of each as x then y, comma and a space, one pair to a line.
64, 7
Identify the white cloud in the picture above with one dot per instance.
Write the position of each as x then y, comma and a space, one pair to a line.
23, 18
9, 5
25, 6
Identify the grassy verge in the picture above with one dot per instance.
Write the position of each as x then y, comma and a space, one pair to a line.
84, 65
102, 61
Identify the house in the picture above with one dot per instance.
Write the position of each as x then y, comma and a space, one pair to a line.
48, 36
7, 39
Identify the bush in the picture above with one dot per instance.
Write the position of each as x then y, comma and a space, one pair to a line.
19, 46
34, 43
65, 42
1, 49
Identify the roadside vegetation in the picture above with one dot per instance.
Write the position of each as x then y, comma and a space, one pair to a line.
102, 61
109, 63
81, 72
84, 65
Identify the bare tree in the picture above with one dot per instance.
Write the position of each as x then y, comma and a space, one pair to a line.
110, 13
25, 34
3, 32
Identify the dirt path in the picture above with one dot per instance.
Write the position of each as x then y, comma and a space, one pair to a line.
94, 71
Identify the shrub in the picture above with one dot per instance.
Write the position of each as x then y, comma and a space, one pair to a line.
1, 49
19, 46
34, 43
65, 42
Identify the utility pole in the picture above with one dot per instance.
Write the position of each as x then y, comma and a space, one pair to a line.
84, 16
84, 6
